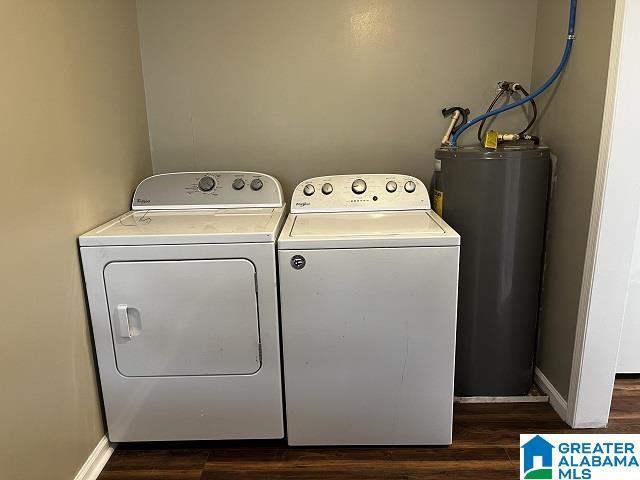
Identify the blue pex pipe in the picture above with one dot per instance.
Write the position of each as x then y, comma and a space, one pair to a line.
546, 85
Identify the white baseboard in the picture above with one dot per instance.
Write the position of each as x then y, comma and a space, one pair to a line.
96, 461
556, 400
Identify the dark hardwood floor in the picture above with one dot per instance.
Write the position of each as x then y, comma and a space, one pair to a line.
485, 445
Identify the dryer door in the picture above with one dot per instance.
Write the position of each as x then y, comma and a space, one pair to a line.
184, 317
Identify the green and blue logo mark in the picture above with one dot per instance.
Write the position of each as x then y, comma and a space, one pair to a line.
537, 459
579, 457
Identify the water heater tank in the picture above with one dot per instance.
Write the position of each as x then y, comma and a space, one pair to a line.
497, 201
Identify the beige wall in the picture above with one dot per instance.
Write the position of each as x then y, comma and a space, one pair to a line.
73, 143
571, 124
303, 88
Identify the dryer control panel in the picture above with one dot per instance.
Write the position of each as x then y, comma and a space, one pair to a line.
200, 190
362, 193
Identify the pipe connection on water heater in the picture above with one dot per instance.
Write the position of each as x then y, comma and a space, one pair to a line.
563, 63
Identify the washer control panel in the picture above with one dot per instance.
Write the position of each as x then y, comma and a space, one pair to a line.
199, 190
344, 193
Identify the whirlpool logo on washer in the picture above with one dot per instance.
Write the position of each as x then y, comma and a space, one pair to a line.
298, 262
302, 204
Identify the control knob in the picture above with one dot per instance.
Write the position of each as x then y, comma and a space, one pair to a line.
309, 190
410, 186
206, 183
359, 186
392, 186
256, 184
238, 184
327, 188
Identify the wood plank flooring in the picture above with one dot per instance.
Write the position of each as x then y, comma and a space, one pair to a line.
486, 445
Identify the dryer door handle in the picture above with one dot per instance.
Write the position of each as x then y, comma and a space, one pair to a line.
123, 320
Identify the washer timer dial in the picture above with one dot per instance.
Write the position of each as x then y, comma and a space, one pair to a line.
206, 183
359, 186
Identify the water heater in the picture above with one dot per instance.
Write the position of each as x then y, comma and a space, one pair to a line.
497, 201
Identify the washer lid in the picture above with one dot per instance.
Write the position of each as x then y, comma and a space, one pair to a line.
370, 229
176, 227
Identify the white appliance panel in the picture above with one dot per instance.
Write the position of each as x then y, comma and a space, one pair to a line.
188, 407
629, 354
368, 345
196, 190
360, 193
184, 317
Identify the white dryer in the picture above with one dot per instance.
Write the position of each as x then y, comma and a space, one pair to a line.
368, 288
183, 300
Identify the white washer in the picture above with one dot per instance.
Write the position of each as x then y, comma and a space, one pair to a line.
368, 289
183, 299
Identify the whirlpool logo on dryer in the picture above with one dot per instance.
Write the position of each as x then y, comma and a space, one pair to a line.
580, 457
